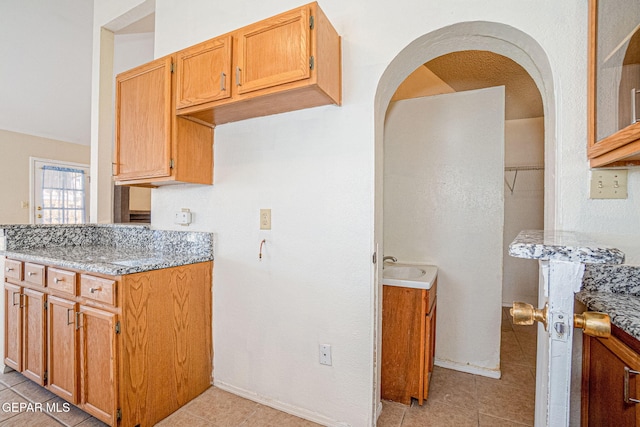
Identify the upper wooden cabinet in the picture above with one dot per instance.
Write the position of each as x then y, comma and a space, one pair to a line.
274, 52
285, 63
153, 146
614, 83
204, 72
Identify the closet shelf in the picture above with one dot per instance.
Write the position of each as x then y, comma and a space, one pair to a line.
516, 169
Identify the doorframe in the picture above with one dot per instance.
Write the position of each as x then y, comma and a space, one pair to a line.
478, 35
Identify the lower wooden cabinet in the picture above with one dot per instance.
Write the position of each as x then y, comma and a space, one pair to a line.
408, 342
610, 383
129, 350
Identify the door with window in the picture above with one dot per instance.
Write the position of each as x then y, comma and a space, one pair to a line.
60, 192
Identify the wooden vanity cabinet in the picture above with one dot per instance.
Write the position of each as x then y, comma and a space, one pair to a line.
284, 63
408, 342
152, 145
610, 378
129, 350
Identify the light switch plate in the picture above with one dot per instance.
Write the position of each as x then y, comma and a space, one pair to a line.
265, 219
608, 184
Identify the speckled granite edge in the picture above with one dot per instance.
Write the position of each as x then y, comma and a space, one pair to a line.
562, 246
112, 249
624, 279
623, 309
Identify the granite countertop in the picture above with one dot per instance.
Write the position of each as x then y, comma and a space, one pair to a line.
607, 286
108, 249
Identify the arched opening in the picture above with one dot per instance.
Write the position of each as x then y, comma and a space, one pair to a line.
438, 49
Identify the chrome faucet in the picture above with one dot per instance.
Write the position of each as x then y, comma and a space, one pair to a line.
388, 257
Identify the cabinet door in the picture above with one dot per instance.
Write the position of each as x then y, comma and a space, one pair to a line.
62, 354
143, 121
98, 363
204, 73
13, 326
34, 342
604, 387
274, 51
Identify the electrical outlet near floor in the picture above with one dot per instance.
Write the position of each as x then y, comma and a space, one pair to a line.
325, 354
608, 184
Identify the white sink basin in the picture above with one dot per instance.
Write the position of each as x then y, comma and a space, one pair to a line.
417, 276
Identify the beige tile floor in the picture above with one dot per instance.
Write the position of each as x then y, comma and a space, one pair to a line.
455, 399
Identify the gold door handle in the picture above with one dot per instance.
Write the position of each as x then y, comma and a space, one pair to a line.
525, 314
591, 322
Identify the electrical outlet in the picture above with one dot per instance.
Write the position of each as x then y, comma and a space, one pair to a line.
325, 354
265, 219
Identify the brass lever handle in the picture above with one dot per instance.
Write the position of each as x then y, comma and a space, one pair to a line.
525, 314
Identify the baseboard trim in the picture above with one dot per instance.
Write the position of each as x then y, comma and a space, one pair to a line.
470, 369
280, 406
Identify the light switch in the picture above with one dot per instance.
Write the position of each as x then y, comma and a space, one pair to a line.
608, 184
265, 219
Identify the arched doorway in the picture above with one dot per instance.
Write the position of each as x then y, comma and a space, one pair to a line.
480, 36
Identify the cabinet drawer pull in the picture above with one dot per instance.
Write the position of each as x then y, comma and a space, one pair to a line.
94, 290
30, 273
56, 280
223, 82
10, 269
627, 373
238, 76
69, 311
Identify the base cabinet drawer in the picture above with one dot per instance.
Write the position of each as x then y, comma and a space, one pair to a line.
34, 274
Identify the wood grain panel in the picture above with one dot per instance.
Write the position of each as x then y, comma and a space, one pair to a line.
98, 289
34, 274
401, 335
204, 72
193, 152
603, 366
98, 382
63, 344
34, 336
274, 51
166, 357
143, 121
61, 280
13, 270
13, 326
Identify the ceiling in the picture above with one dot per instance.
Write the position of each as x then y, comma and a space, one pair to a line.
476, 69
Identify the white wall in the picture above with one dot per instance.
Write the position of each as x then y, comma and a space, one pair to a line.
315, 170
524, 208
444, 205
45, 80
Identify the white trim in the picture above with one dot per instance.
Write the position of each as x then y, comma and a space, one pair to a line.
32, 180
280, 406
470, 369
